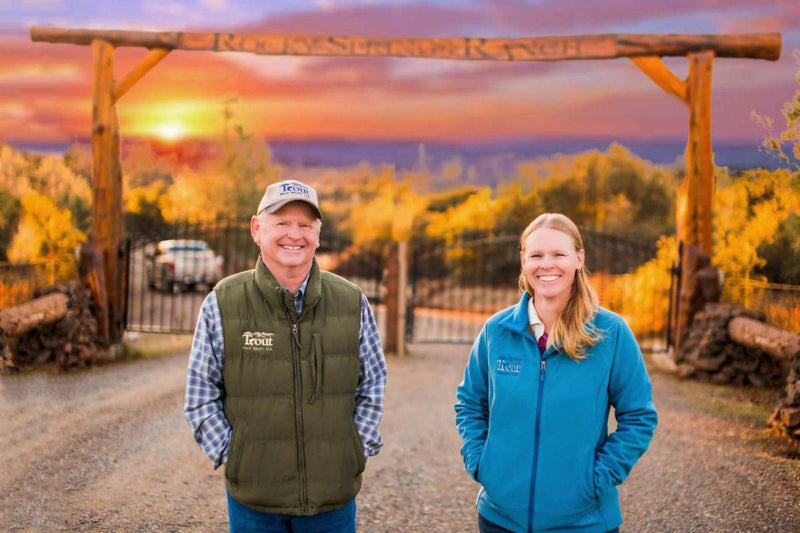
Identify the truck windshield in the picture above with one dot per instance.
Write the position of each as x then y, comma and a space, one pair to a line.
188, 249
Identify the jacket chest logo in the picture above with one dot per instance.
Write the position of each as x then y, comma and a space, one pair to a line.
257, 341
509, 366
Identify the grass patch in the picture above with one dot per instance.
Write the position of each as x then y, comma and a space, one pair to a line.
150, 345
749, 407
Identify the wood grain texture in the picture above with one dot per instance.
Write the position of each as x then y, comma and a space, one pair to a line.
555, 48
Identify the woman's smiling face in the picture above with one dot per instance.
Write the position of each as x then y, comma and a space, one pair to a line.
549, 260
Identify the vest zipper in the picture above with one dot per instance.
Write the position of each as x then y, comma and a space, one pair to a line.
542, 370
298, 419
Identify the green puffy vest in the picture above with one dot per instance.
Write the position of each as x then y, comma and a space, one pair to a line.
290, 387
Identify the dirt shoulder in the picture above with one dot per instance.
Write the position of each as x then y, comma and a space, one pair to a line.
109, 450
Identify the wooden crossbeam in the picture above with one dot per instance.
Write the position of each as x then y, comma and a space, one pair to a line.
664, 78
556, 48
144, 66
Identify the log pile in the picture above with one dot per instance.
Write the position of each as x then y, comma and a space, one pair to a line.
64, 332
786, 417
709, 353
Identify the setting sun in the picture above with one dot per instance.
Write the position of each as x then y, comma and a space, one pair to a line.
171, 120
170, 131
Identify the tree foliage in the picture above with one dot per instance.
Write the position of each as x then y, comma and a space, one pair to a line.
47, 235
613, 191
10, 211
787, 139
748, 214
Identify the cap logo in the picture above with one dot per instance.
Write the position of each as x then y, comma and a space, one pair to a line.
295, 188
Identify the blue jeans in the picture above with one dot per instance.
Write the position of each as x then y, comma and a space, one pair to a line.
242, 519
484, 526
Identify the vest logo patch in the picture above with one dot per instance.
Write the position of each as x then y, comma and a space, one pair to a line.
257, 341
509, 366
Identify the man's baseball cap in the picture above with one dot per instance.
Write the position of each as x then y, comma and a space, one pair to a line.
279, 194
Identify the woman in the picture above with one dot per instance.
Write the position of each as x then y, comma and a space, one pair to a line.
532, 410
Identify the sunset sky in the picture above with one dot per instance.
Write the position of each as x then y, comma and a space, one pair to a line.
45, 89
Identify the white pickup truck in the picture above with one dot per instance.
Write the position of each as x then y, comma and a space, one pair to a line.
179, 264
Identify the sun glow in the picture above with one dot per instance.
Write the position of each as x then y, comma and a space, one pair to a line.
170, 131
172, 121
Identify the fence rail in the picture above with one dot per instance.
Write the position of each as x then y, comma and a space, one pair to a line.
18, 281
157, 303
459, 281
779, 302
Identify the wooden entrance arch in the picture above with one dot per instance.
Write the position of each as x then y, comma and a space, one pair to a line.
695, 196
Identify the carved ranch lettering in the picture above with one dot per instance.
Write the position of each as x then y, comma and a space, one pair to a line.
464, 48
475, 49
378, 47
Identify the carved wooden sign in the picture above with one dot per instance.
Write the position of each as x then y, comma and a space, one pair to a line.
556, 48
542, 49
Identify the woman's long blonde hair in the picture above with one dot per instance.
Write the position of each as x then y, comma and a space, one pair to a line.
571, 329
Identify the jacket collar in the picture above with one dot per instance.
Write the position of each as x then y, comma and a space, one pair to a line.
277, 295
517, 321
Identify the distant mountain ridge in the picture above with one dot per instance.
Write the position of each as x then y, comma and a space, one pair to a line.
492, 160
406, 154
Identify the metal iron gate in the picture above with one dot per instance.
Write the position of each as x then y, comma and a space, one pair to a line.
458, 282
169, 274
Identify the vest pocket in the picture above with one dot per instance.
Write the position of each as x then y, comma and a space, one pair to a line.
361, 461
235, 455
316, 368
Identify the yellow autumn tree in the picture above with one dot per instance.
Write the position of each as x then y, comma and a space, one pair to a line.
226, 186
748, 211
640, 295
46, 235
387, 212
478, 212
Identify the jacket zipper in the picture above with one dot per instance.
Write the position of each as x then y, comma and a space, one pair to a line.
542, 370
298, 418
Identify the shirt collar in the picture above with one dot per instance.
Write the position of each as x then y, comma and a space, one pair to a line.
536, 323
301, 292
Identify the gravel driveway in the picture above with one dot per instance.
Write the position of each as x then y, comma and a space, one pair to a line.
109, 450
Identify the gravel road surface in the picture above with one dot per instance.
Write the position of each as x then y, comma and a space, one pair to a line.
109, 450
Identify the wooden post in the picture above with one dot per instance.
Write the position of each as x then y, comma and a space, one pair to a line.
107, 182
402, 301
91, 269
390, 280
696, 191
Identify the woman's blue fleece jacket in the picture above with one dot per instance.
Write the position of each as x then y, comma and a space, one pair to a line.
534, 427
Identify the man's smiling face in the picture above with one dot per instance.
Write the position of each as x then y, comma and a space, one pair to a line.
287, 238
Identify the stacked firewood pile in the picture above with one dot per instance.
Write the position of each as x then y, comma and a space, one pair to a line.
710, 353
787, 415
58, 326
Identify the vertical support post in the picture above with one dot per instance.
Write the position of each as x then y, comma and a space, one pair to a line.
402, 296
392, 286
107, 181
91, 269
696, 192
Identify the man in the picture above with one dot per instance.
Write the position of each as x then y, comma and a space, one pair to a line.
286, 378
